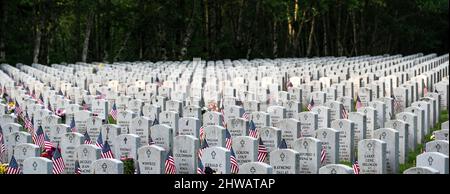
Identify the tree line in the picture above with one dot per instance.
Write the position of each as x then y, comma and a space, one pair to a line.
54, 31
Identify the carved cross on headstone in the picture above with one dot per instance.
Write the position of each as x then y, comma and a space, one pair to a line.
85, 152
148, 152
438, 147
104, 166
242, 142
34, 165
305, 145
430, 160
213, 155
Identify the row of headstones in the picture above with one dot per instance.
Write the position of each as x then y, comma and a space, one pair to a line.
339, 143
319, 101
303, 159
305, 127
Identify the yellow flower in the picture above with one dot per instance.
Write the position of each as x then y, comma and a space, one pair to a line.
3, 168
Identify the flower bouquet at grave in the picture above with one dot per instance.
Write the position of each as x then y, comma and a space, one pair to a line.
128, 165
49, 153
3, 168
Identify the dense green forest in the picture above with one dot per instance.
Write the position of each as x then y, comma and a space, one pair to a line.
54, 31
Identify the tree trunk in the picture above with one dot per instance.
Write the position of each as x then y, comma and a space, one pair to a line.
87, 35
189, 33
37, 38
355, 35
275, 41
206, 25
310, 38
124, 43
338, 31
325, 37
3, 21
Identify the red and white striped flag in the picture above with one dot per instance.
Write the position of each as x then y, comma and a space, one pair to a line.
252, 131
262, 151
233, 161
323, 154
77, 167
359, 104
113, 112
204, 145
228, 140
425, 90
344, 112
47, 144
355, 167
201, 133
170, 163
2, 142
106, 151
13, 167
58, 162
246, 116
311, 104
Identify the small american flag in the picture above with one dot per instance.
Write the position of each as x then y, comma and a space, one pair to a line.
84, 105
60, 92
200, 168
158, 82
150, 140
233, 161
311, 104
204, 146
58, 162
49, 106
355, 167
202, 133
2, 142
397, 104
222, 110
87, 138
246, 116
289, 85
28, 124
18, 110
359, 104
73, 128
344, 112
47, 144
77, 167
323, 154
262, 151
41, 99
155, 122
106, 151
99, 95
113, 112
99, 142
33, 94
425, 90
252, 131
40, 136
283, 144
170, 163
13, 167
228, 140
